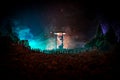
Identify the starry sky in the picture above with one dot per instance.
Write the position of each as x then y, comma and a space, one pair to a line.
77, 18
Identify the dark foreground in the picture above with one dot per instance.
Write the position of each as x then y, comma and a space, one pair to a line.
23, 64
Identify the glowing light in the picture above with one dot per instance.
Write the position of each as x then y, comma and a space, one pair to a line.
60, 39
24, 34
39, 42
104, 28
59, 34
36, 43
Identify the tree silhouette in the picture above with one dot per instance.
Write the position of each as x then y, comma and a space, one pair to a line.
10, 33
100, 41
99, 32
110, 36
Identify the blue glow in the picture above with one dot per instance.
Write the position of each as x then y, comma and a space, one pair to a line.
104, 28
38, 42
118, 34
37, 45
24, 34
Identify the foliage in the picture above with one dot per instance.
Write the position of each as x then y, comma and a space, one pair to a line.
103, 41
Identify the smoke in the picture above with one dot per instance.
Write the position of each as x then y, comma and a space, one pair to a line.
71, 43
35, 42
24, 33
45, 40
72, 40
42, 42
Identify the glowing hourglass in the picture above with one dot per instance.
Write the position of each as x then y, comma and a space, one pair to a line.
59, 40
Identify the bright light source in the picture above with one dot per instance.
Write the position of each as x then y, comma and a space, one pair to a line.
59, 39
59, 34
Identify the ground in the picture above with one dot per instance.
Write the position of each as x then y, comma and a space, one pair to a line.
23, 64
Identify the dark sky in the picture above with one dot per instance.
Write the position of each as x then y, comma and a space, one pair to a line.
79, 16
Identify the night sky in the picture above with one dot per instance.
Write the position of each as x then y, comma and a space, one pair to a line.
77, 18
